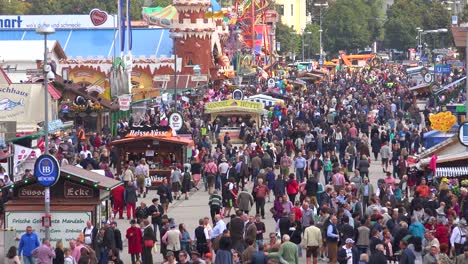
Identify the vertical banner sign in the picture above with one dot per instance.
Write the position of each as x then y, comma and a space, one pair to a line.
129, 26
122, 25
124, 102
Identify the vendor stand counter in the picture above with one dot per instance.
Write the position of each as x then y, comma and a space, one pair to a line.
158, 152
233, 111
78, 196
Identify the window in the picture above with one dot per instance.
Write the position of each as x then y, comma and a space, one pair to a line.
281, 10
188, 58
292, 10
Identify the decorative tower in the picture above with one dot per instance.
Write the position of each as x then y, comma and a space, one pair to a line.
192, 34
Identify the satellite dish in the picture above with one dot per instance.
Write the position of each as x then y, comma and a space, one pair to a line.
271, 83
79, 100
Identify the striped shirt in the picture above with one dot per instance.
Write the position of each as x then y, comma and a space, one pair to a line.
215, 200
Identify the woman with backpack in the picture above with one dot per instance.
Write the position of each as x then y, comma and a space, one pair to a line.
186, 183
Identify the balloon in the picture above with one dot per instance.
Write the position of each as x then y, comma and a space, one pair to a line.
442, 121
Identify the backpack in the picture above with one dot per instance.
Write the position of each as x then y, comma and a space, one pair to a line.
140, 212
187, 176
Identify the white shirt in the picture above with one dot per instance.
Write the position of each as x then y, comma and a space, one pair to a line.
207, 231
88, 235
349, 254
223, 167
458, 236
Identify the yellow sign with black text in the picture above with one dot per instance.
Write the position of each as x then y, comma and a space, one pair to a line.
238, 103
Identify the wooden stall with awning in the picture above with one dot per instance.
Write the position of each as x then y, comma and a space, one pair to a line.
160, 147
76, 198
230, 114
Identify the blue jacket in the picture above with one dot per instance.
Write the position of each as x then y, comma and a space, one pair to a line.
27, 244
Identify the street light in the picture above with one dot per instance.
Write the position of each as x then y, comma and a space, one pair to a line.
420, 30
304, 33
175, 35
320, 6
45, 31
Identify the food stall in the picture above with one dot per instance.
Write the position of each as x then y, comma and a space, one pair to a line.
230, 114
77, 197
159, 145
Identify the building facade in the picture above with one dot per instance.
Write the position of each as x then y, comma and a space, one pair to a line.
293, 13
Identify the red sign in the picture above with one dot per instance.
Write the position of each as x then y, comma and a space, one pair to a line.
98, 17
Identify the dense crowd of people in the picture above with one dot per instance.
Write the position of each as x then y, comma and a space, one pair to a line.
308, 166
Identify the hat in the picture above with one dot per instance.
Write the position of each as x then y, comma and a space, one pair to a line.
195, 253
223, 159
208, 255
113, 223
169, 254
349, 240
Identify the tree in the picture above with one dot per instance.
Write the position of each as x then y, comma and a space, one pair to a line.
14, 7
464, 16
345, 26
162, 3
311, 41
288, 38
404, 16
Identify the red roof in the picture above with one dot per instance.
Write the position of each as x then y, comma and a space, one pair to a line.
5, 77
56, 94
175, 140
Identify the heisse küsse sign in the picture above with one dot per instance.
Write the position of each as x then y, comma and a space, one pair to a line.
96, 19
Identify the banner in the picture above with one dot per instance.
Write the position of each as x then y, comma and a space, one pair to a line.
96, 19
23, 103
65, 225
149, 131
124, 102
239, 103
21, 154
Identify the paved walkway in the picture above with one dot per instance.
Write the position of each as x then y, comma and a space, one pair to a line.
189, 211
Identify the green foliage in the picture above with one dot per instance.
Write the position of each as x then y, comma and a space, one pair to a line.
405, 16
346, 27
464, 16
162, 3
15, 7
312, 41
289, 39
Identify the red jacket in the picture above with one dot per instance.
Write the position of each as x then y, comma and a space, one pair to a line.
297, 213
442, 234
134, 236
118, 194
292, 187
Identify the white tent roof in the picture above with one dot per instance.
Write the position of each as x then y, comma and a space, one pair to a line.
27, 50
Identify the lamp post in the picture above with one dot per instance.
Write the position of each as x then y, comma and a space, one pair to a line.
304, 33
45, 31
175, 35
238, 79
320, 6
420, 30
434, 31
